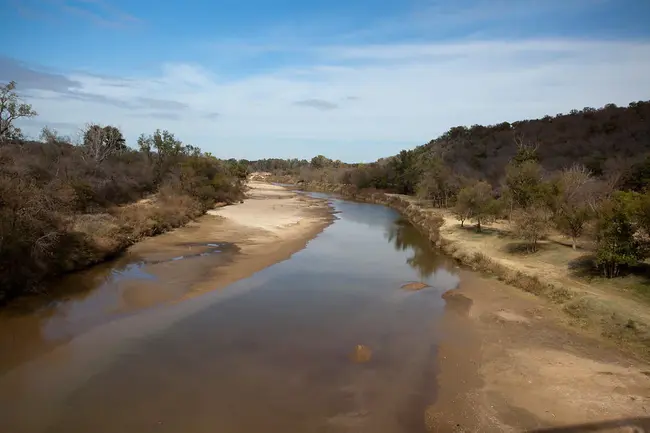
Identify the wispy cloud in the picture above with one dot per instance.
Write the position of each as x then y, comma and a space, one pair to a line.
318, 104
390, 95
99, 12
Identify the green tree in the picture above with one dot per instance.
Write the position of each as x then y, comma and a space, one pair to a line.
319, 162
477, 203
524, 182
531, 225
403, 172
616, 244
163, 150
11, 109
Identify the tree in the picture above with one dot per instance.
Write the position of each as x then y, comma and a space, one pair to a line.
11, 108
52, 136
462, 210
477, 203
642, 212
531, 225
437, 182
101, 142
162, 149
616, 244
525, 183
319, 162
403, 172
571, 205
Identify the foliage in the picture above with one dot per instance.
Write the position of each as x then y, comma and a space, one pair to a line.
531, 225
525, 183
437, 182
11, 109
101, 142
573, 201
617, 246
476, 203
63, 207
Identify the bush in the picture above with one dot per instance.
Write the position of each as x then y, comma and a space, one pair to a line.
61, 210
617, 246
531, 225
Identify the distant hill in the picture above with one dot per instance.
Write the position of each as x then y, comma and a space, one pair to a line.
605, 139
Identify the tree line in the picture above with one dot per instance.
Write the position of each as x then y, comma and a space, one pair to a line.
585, 174
66, 204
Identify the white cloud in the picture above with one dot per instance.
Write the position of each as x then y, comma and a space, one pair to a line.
384, 97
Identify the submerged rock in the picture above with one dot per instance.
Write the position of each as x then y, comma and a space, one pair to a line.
415, 286
361, 354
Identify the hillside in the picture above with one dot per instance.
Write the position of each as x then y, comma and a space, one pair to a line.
604, 140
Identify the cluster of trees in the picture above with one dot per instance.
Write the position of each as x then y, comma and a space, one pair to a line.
48, 188
582, 173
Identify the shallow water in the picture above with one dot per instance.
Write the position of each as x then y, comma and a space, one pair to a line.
325, 341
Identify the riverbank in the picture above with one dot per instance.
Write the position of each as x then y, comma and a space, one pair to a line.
226, 244
557, 353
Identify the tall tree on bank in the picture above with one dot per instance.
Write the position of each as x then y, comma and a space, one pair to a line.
11, 109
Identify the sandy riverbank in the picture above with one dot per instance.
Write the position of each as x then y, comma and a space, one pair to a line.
268, 227
522, 364
225, 245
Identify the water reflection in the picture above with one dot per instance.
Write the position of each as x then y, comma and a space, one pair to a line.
424, 258
270, 353
86, 299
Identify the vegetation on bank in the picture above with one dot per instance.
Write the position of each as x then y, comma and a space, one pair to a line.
65, 205
560, 207
584, 174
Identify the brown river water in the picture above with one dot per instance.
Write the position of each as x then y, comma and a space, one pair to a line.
325, 341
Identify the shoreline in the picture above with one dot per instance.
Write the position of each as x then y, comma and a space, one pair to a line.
516, 363
227, 244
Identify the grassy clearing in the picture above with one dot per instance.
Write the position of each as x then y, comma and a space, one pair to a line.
615, 308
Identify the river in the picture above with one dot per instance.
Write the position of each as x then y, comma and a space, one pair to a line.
325, 341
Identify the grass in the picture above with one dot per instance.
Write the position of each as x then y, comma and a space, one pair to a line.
617, 308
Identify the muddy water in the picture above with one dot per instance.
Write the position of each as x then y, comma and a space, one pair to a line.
323, 342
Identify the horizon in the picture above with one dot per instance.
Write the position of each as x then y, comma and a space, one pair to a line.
354, 81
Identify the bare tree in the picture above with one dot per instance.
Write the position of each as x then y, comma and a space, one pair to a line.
51, 136
100, 142
12, 108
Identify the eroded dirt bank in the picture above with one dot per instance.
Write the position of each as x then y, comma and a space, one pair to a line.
225, 245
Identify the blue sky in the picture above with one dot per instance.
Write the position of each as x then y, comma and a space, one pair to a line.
351, 79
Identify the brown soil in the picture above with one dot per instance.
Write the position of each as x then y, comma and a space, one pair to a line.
510, 364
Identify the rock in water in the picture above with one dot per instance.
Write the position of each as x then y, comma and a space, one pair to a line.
361, 354
414, 286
